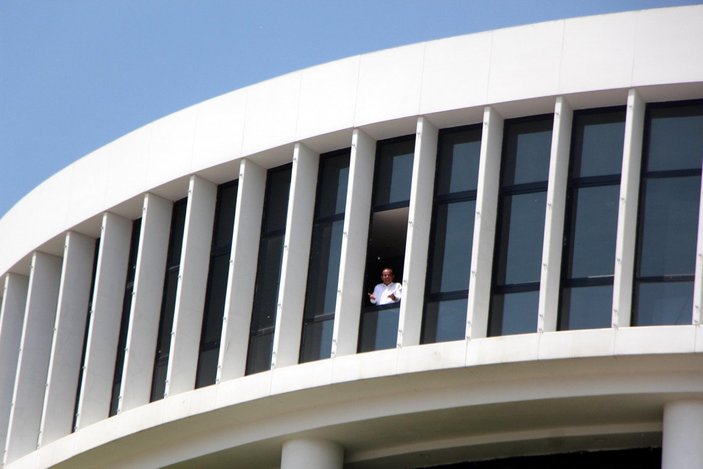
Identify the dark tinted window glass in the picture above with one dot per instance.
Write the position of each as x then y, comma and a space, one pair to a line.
597, 143
669, 225
332, 185
268, 277
587, 307
458, 159
260, 350
323, 271
444, 321
277, 188
663, 303
514, 313
317, 340
451, 249
527, 148
394, 169
379, 329
224, 215
675, 137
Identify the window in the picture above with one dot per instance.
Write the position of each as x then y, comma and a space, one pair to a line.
387, 237
590, 227
168, 301
451, 235
216, 284
268, 272
519, 236
124, 322
668, 214
325, 253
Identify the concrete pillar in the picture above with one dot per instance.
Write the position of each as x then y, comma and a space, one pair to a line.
355, 237
69, 333
241, 279
418, 237
14, 298
104, 320
682, 435
627, 212
484, 225
308, 453
296, 255
192, 283
33, 361
146, 303
548, 309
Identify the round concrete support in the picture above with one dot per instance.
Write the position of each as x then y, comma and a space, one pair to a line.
311, 454
683, 435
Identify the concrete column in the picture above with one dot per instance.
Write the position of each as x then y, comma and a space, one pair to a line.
192, 283
698, 281
548, 309
682, 435
355, 236
104, 320
296, 255
14, 298
627, 212
33, 361
241, 279
69, 333
485, 224
418, 237
311, 453
146, 303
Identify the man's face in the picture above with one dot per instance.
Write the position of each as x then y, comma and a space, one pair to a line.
387, 276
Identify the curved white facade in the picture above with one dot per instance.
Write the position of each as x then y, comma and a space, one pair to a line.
414, 405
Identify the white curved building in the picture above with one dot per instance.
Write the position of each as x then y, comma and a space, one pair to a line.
194, 294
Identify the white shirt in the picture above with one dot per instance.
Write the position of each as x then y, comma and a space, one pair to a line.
382, 293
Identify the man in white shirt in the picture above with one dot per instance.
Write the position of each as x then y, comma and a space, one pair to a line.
387, 292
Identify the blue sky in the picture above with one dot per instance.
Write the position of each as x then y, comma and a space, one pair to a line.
77, 74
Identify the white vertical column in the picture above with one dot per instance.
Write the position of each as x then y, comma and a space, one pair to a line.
33, 361
296, 255
309, 453
484, 224
104, 320
69, 332
242, 271
146, 303
682, 435
354, 240
698, 280
627, 212
418, 238
14, 299
192, 283
554, 217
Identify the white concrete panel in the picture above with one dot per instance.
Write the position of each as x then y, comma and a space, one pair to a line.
87, 195
364, 365
668, 46
627, 212
272, 113
33, 361
554, 217
307, 453
69, 333
455, 72
503, 349
304, 376
14, 298
219, 130
660, 339
192, 283
440, 355
484, 225
577, 343
682, 435
608, 45
171, 146
698, 281
242, 271
296, 255
146, 303
418, 236
354, 239
525, 61
104, 322
327, 97
127, 179
389, 84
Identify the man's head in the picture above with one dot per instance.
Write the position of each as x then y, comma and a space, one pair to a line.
387, 276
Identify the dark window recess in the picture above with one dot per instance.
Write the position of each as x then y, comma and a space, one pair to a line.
216, 284
79, 385
387, 237
520, 231
124, 322
451, 236
325, 253
168, 300
590, 227
268, 271
668, 214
